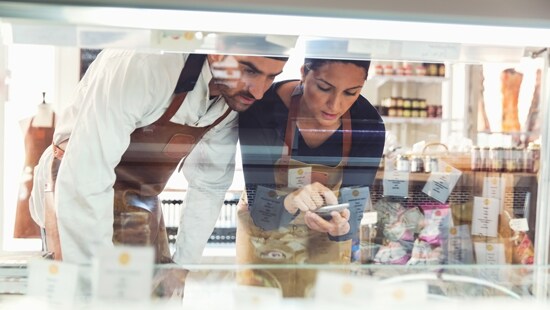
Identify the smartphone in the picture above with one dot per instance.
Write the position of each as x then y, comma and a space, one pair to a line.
326, 210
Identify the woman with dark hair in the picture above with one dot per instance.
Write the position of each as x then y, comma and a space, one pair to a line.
308, 143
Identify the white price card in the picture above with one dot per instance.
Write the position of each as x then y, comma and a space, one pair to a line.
369, 218
440, 184
299, 177
396, 184
333, 288
53, 281
519, 224
489, 253
493, 187
485, 217
123, 273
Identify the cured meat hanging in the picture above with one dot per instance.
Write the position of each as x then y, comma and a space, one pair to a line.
511, 83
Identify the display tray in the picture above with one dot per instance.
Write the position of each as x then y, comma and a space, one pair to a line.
390, 287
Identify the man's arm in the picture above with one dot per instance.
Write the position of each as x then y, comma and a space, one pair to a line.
209, 171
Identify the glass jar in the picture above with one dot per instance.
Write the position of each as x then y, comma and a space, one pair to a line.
497, 159
475, 159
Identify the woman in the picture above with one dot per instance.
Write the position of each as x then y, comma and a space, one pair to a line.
306, 144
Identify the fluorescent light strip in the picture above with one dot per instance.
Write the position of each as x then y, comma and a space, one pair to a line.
309, 26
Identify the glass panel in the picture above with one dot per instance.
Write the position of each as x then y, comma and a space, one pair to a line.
437, 167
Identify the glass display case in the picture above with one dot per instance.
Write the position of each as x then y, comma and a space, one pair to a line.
455, 211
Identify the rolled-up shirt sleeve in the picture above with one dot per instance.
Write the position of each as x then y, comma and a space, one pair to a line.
209, 171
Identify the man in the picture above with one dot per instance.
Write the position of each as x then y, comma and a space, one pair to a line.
135, 116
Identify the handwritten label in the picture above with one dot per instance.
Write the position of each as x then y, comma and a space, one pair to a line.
369, 218
519, 224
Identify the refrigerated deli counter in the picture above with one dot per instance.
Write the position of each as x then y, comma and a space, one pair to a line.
464, 225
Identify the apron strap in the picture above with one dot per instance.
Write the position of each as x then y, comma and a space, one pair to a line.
186, 82
216, 122
291, 128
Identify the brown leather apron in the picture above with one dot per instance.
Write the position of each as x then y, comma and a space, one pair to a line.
37, 139
294, 244
151, 158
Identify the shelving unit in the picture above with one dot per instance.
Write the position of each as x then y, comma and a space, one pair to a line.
434, 89
518, 200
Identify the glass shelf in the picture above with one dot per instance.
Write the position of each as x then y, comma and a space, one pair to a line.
413, 120
408, 78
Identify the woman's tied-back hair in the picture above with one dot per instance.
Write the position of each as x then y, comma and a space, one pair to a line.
315, 63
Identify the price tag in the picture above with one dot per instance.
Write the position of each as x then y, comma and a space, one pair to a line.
460, 246
299, 177
396, 183
485, 217
357, 197
369, 218
519, 224
123, 273
266, 208
440, 184
489, 253
53, 281
494, 187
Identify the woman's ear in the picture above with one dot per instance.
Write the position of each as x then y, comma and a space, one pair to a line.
303, 73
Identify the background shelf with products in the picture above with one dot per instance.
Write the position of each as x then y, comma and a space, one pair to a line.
411, 98
517, 198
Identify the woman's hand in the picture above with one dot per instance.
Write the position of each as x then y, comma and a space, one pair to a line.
309, 198
338, 225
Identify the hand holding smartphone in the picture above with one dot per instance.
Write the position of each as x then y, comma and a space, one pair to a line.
326, 210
